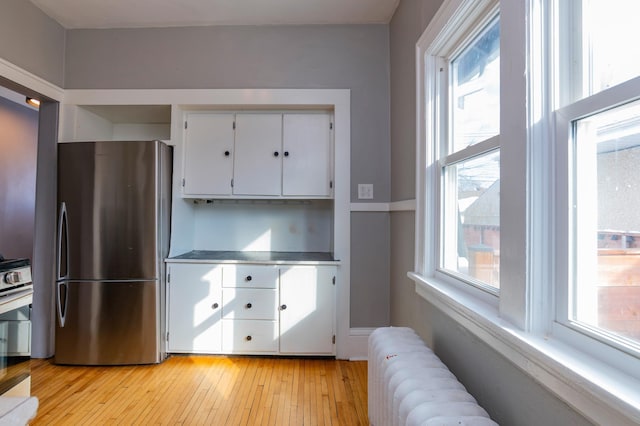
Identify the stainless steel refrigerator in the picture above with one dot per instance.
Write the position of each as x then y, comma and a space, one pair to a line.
114, 203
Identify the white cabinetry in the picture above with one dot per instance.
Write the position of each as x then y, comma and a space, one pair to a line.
258, 160
307, 155
208, 161
307, 309
195, 308
259, 154
252, 309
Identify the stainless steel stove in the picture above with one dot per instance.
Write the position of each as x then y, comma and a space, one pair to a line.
15, 275
16, 297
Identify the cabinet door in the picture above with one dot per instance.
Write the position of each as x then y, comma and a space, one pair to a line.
306, 163
208, 154
307, 298
258, 159
195, 308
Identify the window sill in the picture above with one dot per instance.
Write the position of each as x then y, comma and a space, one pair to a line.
598, 391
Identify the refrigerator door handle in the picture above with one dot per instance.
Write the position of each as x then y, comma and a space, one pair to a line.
63, 242
62, 299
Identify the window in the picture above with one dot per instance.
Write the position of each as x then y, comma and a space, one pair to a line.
599, 129
606, 287
470, 160
596, 46
543, 157
475, 90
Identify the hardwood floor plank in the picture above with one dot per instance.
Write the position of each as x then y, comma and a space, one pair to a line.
292, 400
204, 390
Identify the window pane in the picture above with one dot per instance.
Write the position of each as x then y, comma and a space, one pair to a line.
597, 46
471, 237
607, 245
613, 41
475, 86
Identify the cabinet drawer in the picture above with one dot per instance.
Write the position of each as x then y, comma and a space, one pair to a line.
243, 336
250, 276
248, 303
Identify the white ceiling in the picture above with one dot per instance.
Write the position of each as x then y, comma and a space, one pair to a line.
73, 14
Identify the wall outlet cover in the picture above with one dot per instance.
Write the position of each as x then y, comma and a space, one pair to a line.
365, 191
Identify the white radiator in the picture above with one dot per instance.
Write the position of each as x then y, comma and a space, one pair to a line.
409, 385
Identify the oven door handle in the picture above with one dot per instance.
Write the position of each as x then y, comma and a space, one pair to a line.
63, 237
63, 293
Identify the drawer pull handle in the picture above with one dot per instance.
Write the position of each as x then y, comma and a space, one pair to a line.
248, 338
283, 307
249, 278
215, 306
248, 305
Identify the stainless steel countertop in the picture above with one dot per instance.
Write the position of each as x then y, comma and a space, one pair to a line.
268, 257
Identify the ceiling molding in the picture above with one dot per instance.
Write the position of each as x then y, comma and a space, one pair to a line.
100, 14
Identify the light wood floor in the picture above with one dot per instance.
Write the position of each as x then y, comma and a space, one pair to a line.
204, 390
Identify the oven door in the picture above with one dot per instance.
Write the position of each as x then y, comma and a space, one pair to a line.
15, 350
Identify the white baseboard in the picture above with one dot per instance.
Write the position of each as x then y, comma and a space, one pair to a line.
359, 339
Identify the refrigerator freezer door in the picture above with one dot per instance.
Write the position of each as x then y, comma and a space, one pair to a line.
108, 323
110, 194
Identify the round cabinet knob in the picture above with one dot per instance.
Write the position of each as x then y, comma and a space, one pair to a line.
215, 306
227, 153
286, 153
248, 305
248, 278
248, 338
275, 154
283, 307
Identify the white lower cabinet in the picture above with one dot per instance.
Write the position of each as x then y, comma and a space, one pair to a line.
251, 309
195, 308
250, 304
307, 310
249, 336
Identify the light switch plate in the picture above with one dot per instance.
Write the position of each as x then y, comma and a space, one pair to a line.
365, 191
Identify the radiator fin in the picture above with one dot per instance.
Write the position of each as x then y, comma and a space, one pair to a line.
409, 385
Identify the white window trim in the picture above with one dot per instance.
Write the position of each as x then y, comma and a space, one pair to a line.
516, 325
580, 335
458, 22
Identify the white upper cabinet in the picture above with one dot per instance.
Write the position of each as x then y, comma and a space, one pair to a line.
258, 154
208, 154
306, 149
258, 160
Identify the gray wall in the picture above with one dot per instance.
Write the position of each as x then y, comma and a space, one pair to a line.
300, 57
32, 40
407, 25
19, 146
510, 396
370, 264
